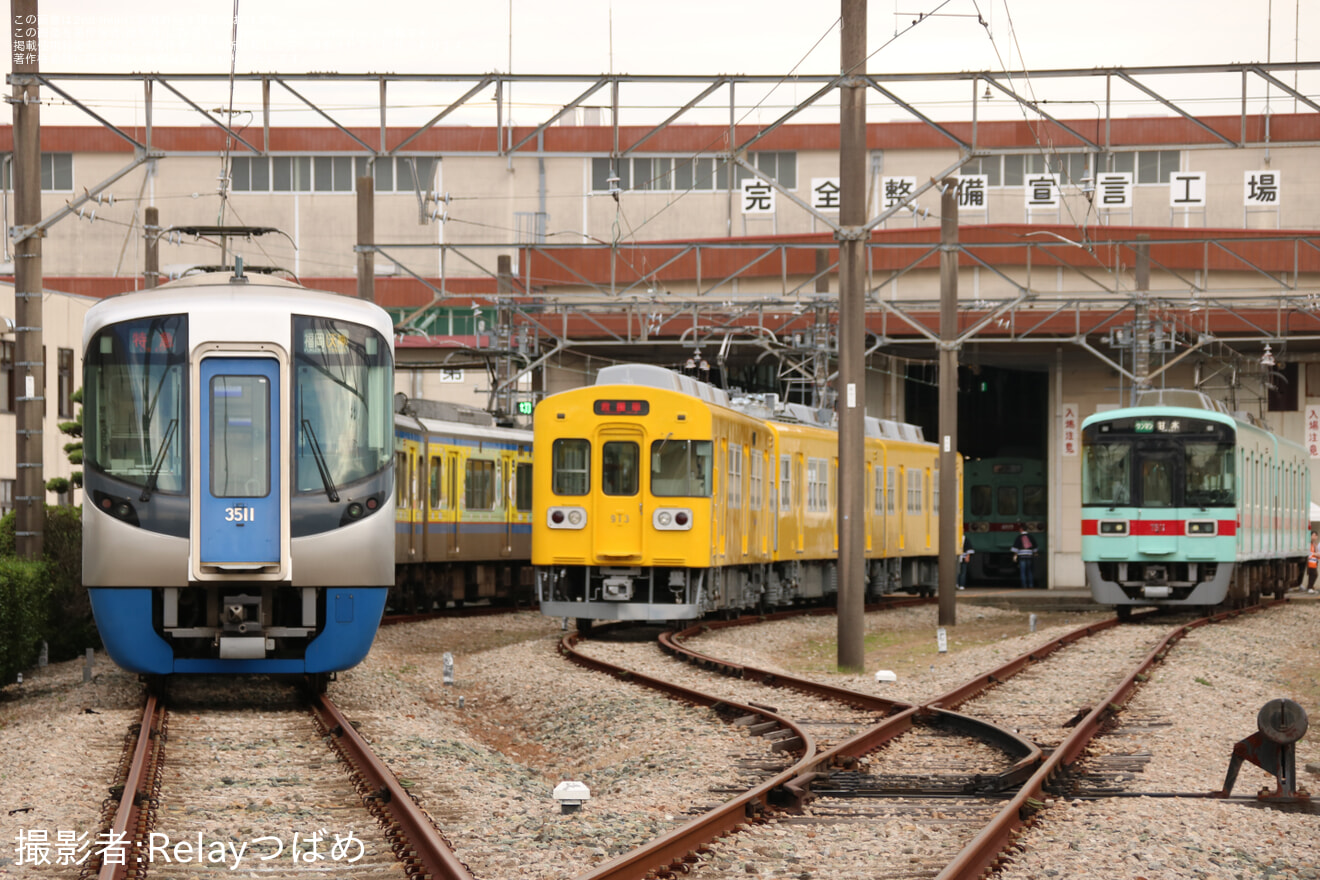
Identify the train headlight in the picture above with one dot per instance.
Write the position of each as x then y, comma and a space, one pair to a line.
1201, 527
566, 518
672, 519
1113, 527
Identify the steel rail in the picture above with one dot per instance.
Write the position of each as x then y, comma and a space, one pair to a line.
130, 822
680, 844
683, 843
424, 853
988, 848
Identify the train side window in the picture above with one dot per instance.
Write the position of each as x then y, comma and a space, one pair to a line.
1007, 500
570, 467
1033, 501
618, 462
734, 490
437, 500
979, 501
479, 485
401, 479
523, 487
891, 488
785, 482
878, 503
754, 480
935, 493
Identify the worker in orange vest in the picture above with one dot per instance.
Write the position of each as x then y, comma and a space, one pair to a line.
1311, 562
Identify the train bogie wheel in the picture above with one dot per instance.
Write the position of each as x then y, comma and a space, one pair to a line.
584, 626
1124, 612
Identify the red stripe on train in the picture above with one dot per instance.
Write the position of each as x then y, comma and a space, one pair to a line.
1142, 527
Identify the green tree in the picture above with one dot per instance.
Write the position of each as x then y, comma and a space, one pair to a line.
60, 485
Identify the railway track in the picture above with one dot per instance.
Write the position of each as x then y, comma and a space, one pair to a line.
911, 796
280, 788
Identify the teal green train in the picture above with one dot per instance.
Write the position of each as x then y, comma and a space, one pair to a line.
1185, 503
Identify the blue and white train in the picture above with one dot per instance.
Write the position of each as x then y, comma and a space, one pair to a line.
1184, 503
238, 476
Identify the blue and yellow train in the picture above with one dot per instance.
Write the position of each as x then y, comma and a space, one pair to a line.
463, 506
659, 498
1184, 503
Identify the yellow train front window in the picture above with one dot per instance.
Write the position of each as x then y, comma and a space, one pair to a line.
570, 467
681, 468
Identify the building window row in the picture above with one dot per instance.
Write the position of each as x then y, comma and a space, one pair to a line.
331, 173
9, 379
683, 173
1013, 169
56, 172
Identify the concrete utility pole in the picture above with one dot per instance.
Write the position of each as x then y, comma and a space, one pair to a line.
151, 264
852, 339
950, 500
29, 370
1141, 320
366, 237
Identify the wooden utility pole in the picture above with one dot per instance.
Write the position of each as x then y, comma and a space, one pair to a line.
29, 370
151, 266
950, 500
852, 339
366, 237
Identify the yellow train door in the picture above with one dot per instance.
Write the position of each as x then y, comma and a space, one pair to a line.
618, 506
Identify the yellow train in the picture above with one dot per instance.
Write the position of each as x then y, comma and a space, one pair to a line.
658, 497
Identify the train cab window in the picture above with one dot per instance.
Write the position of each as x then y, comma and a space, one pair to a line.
1034, 502
1208, 474
343, 403
134, 421
682, 468
522, 496
434, 474
1156, 484
570, 467
618, 463
979, 501
1006, 500
1106, 473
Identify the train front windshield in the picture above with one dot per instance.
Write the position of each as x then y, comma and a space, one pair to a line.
133, 402
342, 403
1158, 463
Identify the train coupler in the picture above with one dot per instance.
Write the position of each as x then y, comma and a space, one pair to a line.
1273, 748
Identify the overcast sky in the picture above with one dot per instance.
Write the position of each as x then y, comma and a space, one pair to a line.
675, 37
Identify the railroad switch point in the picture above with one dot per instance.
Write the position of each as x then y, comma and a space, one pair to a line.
1273, 748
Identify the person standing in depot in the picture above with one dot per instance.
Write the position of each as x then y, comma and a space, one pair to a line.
964, 561
1024, 554
1312, 559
